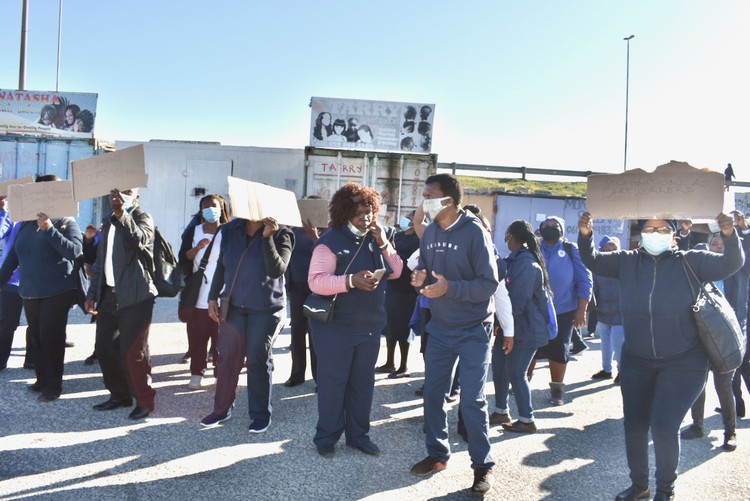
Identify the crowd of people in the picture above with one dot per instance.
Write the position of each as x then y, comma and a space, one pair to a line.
437, 275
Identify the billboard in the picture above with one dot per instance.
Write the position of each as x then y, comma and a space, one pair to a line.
47, 113
371, 125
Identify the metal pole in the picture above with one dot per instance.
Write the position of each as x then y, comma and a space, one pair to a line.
24, 34
59, 45
627, 87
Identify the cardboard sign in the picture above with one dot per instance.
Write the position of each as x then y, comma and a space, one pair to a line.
98, 176
315, 211
54, 198
673, 191
4, 186
256, 201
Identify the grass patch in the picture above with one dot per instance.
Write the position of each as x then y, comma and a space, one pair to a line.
489, 184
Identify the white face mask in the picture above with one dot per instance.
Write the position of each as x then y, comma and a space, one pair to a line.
355, 230
655, 243
433, 206
714, 227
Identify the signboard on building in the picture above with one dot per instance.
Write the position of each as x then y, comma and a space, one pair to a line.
371, 125
47, 113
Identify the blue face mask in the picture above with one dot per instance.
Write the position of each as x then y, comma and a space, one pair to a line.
127, 201
404, 223
211, 214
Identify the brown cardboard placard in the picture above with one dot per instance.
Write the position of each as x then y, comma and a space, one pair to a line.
315, 211
675, 190
54, 198
4, 185
99, 175
256, 201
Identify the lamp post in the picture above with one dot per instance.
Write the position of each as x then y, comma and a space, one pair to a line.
59, 44
627, 86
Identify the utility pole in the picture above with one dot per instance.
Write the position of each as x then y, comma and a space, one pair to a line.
24, 33
627, 87
59, 45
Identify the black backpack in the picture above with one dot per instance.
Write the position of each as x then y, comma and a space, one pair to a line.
165, 272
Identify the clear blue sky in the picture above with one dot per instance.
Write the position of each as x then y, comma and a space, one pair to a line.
538, 83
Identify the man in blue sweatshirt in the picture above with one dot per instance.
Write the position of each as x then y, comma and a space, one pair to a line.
457, 271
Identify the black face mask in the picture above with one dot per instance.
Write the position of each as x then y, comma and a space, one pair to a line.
551, 233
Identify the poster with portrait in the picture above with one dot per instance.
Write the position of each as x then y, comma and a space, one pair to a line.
68, 115
371, 125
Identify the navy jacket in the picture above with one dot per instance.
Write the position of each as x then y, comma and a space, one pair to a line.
607, 292
45, 259
525, 284
655, 295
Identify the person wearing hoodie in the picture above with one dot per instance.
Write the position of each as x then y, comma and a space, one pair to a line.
572, 287
457, 270
664, 366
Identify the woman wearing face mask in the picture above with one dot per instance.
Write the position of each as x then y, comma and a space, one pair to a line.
664, 366
344, 262
572, 286
400, 298
196, 240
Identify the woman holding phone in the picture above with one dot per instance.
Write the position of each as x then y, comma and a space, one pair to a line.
350, 259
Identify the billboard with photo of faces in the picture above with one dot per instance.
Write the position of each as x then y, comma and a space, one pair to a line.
371, 125
69, 115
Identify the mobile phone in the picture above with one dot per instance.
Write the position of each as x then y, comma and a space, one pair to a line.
378, 274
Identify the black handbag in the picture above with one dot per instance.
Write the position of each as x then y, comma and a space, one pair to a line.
320, 308
718, 328
192, 288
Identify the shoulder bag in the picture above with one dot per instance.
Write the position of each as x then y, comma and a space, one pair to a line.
319, 307
718, 328
191, 290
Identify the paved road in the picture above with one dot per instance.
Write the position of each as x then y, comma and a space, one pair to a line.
64, 450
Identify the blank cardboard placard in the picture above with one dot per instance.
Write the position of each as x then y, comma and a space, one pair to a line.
315, 211
4, 186
54, 198
256, 201
675, 190
99, 175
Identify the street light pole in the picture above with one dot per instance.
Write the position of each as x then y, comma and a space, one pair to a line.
24, 35
59, 45
627, 86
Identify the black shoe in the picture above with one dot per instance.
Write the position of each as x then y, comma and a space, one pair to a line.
730, 441
579, 348
399, 374
289, 383
326, 450
367, 447
482, 484
520, 427
112, 404
428, 466
48, 397
69, 344
36, 387
602, 374
664, 496
634, 493
215, 419
385, 369
139, 413
691, 432
91, 360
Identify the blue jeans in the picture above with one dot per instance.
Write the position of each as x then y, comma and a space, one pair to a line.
472, 347
656, 395
511, 369
612, 337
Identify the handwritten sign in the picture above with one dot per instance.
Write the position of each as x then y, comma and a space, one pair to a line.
675, 190
54, 198
4, 186
256, 201
99, 175
315, 211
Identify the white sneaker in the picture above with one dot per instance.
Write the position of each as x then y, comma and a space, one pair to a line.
195, 382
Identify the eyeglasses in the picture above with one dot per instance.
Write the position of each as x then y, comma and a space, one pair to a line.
661, 230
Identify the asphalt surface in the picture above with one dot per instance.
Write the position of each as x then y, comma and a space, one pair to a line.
65, 450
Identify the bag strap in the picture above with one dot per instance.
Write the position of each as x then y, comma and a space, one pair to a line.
237, 272
207, 254
701, 285
361, 244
